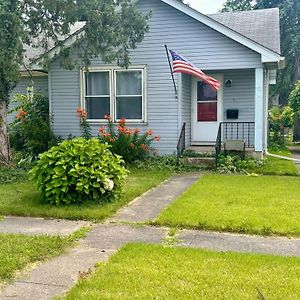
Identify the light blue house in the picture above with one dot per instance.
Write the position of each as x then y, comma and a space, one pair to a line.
240, 49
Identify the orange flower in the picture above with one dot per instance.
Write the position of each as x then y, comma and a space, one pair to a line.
137, 130
81, 112
157, 138
112, 140
149, 132
102, 129
21, 114
107, 117
106, 135
122, 121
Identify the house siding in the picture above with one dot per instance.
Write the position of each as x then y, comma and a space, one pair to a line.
186, 106
40, 85
202, 45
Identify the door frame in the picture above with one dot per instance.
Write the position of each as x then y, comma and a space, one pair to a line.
220, 96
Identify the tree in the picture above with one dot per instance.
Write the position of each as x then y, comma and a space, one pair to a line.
113, 27
237, 5
290, 42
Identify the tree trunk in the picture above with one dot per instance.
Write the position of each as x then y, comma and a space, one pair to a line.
4, 141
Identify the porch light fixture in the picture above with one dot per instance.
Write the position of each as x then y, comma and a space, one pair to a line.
228, 83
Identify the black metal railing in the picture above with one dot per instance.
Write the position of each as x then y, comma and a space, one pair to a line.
181, 141
235, 131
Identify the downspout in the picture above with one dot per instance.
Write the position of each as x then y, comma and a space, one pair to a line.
282, 157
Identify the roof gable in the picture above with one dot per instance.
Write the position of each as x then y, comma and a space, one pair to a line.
261, 26
268, 55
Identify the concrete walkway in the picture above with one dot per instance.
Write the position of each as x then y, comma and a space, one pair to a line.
59, 274
149, 206
40, 226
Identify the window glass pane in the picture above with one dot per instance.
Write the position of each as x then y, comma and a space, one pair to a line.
129, 108
129, 83
207, 112
205, 92
97, 108
97, 83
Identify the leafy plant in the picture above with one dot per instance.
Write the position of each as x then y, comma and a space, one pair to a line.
10, 175
31, 133
294, 98
79, 170
234, 164
280, 118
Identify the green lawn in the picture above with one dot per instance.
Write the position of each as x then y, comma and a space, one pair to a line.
276, 166
22, 199
155, 272
262, 205
17, 251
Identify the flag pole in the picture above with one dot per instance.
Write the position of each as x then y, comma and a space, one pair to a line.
168, 55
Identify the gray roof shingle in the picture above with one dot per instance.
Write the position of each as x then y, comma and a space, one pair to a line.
261, 26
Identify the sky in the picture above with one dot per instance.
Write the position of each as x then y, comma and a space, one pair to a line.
206, 6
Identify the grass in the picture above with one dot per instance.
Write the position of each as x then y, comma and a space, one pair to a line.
22, 199
140, 271
264, 205
276, 166
17, 250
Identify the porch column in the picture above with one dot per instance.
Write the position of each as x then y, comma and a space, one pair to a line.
259, 109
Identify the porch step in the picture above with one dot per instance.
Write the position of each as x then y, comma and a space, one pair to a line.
201, 149
205, 162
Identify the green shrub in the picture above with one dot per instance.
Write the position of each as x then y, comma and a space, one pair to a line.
294, 98
31, 133
234, 164
79, 170
10, 175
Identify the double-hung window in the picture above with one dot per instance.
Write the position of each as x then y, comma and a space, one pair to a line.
116, 92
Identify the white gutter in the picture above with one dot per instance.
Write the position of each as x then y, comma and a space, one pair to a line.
282, 157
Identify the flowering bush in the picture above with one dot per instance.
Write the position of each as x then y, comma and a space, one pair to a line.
84, 125
131, 144
79, 170
31, 133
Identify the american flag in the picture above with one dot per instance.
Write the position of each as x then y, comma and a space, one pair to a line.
181, 65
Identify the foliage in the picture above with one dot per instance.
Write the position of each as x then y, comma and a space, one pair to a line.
129, 143
145, 271
280, 118
31, 133
166, 162
9, 175
22, 199
85, 127
78, 170
191, 153
294, 98
237, 5
234, 164
112, 28
238, 203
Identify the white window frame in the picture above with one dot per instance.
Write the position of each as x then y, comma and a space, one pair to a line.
113, 91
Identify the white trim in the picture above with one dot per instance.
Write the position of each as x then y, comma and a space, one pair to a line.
112, 86
267, 54
259, 109
50, 99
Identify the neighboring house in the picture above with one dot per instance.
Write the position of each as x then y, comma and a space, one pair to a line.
240, 49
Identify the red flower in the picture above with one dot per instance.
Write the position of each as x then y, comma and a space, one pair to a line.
149, 132
157, 138
106, 135
143, 146
137, 130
